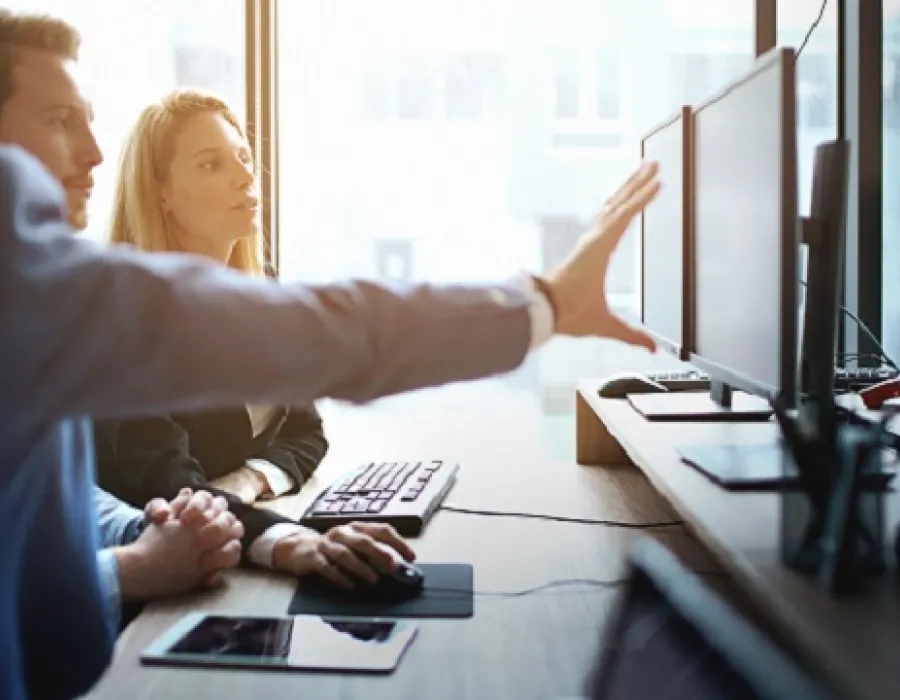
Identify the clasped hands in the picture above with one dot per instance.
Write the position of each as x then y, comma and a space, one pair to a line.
189, 542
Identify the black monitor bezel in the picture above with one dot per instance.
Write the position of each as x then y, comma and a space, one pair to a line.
747, 650
680, 348
789, 278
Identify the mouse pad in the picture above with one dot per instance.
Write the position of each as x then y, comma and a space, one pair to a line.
447, 593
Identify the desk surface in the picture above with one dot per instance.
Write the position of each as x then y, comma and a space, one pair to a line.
538, 646
854, 643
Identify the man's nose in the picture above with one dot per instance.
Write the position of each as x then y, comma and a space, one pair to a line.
89, 153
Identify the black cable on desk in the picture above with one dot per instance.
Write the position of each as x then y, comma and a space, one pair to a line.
563, 518
558, 583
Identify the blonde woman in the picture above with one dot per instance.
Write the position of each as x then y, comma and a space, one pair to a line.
186, 183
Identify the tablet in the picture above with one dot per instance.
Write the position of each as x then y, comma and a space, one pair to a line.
372, 645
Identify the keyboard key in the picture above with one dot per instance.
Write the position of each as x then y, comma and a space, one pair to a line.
328, 508
357, 505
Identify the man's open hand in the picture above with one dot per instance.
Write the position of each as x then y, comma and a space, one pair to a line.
579, 284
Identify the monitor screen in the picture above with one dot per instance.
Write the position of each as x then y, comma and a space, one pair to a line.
663, 236
746, 231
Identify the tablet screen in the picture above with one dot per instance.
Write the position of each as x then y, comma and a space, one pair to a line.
238, 636
294, 642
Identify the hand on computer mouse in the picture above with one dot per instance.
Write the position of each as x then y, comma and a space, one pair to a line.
344, 553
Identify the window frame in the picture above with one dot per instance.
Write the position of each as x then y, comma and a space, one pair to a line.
860, 122
261, 51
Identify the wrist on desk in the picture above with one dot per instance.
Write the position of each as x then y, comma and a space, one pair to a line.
133, 574
285, 549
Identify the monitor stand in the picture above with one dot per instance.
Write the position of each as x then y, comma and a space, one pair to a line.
760, 466
721, 403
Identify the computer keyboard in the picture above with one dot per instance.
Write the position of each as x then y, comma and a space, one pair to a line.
402, 494
845, 380
858, 378
681, 380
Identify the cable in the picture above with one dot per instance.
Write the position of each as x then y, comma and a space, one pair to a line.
563, 518
865, 329
589, 582
557, 583
812, 28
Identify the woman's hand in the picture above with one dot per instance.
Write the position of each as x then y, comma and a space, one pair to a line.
245, 483
344, 553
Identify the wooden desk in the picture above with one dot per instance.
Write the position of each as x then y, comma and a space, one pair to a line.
853, 643
538, 646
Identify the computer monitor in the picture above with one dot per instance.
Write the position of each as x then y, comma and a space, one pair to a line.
744, 281
824, 234
764, 466
665, 236
671, 637
747, 234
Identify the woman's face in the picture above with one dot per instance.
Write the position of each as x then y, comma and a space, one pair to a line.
211, 192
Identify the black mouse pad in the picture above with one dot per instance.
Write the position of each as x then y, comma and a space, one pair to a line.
447, 593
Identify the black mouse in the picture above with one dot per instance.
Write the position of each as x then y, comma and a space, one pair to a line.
406, 583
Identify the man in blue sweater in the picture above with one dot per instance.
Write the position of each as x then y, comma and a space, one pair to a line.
73, 316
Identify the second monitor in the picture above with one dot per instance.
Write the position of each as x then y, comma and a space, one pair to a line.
745, 249
666, 237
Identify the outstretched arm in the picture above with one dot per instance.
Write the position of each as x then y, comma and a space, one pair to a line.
113, 332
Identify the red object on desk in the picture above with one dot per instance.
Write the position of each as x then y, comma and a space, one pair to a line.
875, 395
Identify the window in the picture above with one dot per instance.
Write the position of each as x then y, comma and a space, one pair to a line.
393, 260
816, 82
415, 94
589, 100
214, 68
609, 87
465, 141
891, 180
153, 49
891, 81
817, 91
473, 87
566, 85
697, 76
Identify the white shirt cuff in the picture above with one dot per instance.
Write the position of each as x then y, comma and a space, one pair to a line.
540, 311
263, 548
279, 481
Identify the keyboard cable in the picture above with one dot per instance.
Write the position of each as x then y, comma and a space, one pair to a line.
563, 518
551, 585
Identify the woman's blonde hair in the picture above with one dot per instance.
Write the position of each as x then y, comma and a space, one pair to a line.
138, 216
